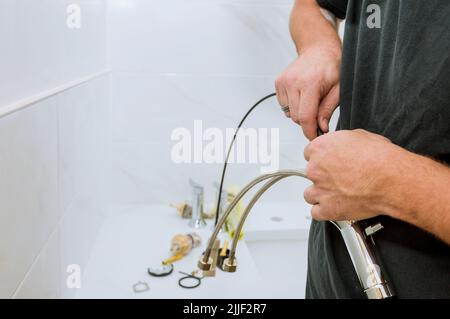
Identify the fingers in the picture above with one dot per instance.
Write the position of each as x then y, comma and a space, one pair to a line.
317, 213
326, 109
294, 102
311, 196
282, 97
315, 146
281, 92
324, 212
303, 101
307, 152
306, 113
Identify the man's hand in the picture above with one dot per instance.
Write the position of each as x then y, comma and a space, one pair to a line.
350, 171
358, 175
308, 90
310, 87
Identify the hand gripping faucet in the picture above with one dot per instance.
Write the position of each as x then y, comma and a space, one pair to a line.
197, 219
356, 239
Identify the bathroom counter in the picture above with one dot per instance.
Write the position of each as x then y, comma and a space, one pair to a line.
133, 238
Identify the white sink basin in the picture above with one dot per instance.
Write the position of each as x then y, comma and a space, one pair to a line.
282, 264
276, 237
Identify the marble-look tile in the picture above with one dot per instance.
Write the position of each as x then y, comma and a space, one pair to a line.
210, 65
144, 173
83, 125
199, 36
30, 31
84, 49
28, 190
148, 108
42, 280
40, 52
78, 232
60, 142
83, 156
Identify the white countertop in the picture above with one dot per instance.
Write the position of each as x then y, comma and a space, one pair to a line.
136, 237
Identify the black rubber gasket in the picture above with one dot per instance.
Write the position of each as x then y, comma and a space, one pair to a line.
163, 274
189, 276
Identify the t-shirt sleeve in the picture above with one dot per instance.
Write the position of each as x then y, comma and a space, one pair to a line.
338, 7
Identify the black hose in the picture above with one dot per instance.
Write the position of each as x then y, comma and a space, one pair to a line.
219, 196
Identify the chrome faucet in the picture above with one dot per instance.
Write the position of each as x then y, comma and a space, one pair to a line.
197, 219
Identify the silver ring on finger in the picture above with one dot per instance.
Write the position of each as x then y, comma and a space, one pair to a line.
285, 109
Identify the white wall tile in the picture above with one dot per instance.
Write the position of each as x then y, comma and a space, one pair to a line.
143, 173
63, 144
28, 191
30, 32
84, 49
149, 107
54, 153
83, 126
83, 118
199, 36
179, 61
78, 232
40, 52
42, 280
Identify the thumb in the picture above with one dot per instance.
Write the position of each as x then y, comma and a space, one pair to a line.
326, 108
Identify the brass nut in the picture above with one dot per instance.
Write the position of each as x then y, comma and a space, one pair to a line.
202, 265
229, 265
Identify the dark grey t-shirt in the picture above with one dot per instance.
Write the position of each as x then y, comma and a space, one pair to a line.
395, 81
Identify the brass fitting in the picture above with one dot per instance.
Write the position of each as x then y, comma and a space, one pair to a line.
203, 265
229, 265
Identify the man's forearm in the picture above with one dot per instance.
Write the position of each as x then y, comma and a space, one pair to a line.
421, 194
310, 28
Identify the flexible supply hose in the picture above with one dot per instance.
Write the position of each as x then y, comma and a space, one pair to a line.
222, 178
360, 250
249, 207
248, 187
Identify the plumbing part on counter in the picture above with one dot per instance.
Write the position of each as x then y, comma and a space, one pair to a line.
180, 246
140, 287
224, 254
214, 255
160, 271
197, 220
185, 211
233, 219
192, 278
183, 244
355, 236
223, 251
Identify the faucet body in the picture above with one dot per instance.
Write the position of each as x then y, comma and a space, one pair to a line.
361, 251
197, 219
359, 246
